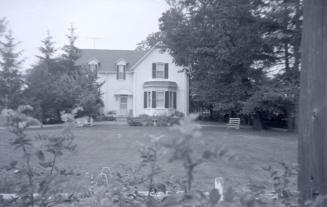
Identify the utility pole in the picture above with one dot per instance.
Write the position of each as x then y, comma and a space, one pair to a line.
313, 102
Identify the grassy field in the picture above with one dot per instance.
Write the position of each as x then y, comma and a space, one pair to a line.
112, 146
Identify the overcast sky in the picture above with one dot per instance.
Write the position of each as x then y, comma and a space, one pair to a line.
112, 24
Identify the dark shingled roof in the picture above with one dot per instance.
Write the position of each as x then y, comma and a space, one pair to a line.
108, 58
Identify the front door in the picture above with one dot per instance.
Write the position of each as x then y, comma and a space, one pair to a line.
123, 105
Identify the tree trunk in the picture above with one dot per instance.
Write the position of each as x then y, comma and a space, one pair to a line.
297, 56
313, 102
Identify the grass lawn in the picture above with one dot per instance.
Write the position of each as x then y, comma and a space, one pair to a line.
111, 146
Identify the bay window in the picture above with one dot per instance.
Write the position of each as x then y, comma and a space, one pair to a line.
160, 99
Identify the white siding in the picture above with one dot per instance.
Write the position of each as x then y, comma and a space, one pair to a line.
111, 86
143, 73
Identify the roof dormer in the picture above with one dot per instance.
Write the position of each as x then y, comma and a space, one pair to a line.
93, 65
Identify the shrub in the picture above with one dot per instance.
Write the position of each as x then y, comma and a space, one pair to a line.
160, 120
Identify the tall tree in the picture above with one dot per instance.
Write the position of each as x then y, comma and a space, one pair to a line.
222, 44
47, 49
10, 78
71, 53
41, 79
285, 17
313, 102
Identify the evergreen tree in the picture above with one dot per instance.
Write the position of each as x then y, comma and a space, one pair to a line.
47, 49
41, 79
10, 78
71, 53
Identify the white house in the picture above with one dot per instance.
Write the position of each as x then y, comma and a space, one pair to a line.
137, 82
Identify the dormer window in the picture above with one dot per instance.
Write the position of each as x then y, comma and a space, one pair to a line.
93, 66
121, 70
160, 70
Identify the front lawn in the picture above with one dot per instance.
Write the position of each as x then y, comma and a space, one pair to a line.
111, 146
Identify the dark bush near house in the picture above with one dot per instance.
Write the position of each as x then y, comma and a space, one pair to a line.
105, 118
110, 116
161, 120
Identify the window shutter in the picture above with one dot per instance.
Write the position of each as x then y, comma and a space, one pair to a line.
117, 72
166, 99
154, 99
175, 101
166, 70
153, 70
145, 99
124, 72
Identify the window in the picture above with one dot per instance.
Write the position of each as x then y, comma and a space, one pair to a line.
121, 72
160, 70
160, 99
93, 67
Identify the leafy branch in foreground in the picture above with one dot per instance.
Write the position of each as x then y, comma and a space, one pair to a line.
182, 149
38, 177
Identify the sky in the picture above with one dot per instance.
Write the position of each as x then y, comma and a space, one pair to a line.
100, 24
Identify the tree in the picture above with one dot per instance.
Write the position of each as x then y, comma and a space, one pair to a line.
10, 78
47, 49
285, 17
90, 97
313, 96
71, 53
57, 84
149, 42
222, 44
41, 79
269, 102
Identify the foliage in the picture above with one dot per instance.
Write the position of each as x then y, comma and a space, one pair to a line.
11, 83
181, 149
56, 84
283, 177
38, 179
151, 40
271, 101
231, 47
159, 120
217, 42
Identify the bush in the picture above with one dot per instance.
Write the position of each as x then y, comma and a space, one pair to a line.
110, 116
161, 120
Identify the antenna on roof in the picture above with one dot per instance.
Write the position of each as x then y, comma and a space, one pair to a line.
94, 39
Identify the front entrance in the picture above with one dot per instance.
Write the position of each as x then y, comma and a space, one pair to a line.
123, 106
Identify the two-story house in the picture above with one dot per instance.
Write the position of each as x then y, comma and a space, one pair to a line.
137, 82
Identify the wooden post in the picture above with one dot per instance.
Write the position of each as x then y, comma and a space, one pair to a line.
313, 102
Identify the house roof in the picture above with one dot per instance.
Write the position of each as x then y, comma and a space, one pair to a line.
109, 58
